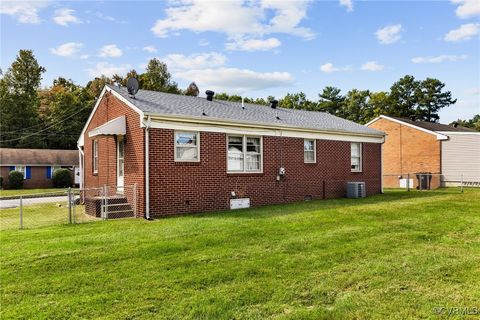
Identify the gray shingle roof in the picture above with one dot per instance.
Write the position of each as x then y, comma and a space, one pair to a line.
179, 105
433, 126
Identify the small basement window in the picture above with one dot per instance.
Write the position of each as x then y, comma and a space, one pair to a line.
356, 157
309, 151
187, 146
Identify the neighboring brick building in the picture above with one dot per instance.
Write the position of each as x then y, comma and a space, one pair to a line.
202, 153
37, 165
411, 147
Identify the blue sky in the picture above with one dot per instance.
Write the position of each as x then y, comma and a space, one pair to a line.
257, 47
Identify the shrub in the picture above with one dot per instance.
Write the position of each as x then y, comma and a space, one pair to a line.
62, 178
15, 180
1, 182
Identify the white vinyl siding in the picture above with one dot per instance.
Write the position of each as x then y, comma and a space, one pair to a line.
461, 156
356, 156
244, 154
187, 146
309, 151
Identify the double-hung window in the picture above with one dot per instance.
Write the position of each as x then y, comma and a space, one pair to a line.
23, 170
356, 157
187, 146
309, 151
244, 154
95, 156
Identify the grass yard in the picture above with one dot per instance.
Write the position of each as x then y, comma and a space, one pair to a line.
21, 192
398, 255
40, 215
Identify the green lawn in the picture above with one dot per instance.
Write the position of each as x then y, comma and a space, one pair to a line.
20, 192
397, 255
41, 215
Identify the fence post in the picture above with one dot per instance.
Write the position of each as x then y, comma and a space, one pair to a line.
461, 183
21, 212
135, 200
69, 205
408, 181
105, 193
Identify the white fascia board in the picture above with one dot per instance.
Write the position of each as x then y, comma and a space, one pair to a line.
80, 141
435, 133
449, 133
372, 121
258, 131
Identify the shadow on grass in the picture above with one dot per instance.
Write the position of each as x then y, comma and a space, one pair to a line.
262, 212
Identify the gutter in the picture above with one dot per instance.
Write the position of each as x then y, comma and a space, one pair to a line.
190, 119
81, 156
147, 169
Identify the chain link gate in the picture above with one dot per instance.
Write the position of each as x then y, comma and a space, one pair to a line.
108, 202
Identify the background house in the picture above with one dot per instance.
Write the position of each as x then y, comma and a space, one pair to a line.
37, 165
448, 152
190, 154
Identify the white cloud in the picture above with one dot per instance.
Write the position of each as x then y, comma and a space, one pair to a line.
203, 42
253, 44
150, 49
108, 18
195, 61
84, 56
236, 19
111, 51
465, 32
23, 11
372, 66
236, 80
389, 34
107, 69
65, 16
329, 67
439, 59
67, 49
347, 4
467, 8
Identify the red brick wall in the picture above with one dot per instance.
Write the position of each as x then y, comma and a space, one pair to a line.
38, 178
407, 151
110, 108
183, 187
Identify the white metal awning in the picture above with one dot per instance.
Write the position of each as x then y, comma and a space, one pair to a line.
113, 127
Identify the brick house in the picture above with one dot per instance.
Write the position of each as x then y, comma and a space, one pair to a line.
37, 165
191, 154
447, 152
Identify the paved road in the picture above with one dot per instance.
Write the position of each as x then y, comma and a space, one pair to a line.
14, 203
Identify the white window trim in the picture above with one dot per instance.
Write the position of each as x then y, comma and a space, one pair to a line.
53, 168
314, 151
175, 146
24, 171
95, 156
244, 143
360, 152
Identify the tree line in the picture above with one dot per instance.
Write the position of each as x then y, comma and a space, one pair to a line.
53, 117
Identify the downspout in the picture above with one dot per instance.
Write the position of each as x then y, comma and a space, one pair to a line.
381, 165
147, 169
81, 155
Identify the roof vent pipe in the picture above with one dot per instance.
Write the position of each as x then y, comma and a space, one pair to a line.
413, 118
243, 103
455, 124
209, 94
274, 104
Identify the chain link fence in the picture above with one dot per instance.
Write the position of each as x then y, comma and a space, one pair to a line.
427, 181
67, 207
